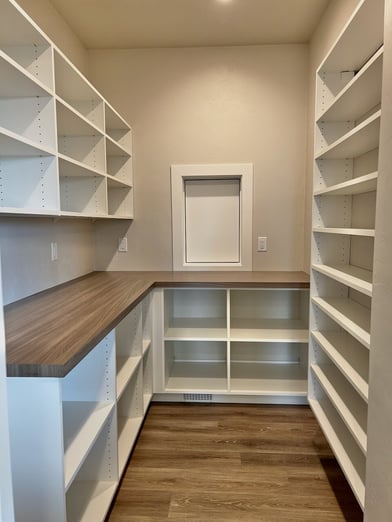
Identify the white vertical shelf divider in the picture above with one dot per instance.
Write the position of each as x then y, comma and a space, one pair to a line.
348, 113
129, 353
64, 151
118, 164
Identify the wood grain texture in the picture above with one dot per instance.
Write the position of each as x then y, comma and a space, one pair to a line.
49, 333
233, 462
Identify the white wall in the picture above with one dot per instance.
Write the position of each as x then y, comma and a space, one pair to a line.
210, 105
25, 243
26, 254
331, 24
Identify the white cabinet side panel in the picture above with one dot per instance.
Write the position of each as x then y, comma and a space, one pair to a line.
37, 448
378, 500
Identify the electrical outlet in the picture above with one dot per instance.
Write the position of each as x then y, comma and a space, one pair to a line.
261, 244
53, 251
123, 244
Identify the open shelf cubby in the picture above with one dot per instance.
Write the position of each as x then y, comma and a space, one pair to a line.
48, 108
236, 341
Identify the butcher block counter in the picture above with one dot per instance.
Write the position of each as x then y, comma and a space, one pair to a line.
49, 333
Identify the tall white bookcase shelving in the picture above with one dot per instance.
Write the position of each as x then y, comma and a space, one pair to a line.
244, 345
348, 112
71, 437
64, 151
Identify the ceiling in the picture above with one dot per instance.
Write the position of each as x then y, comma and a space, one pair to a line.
119, 24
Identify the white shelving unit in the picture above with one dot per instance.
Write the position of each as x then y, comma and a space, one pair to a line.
233, 344
347, 127
64, 151
71, 437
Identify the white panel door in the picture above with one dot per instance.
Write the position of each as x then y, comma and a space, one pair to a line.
212, 220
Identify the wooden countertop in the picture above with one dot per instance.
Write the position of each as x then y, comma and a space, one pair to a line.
49, 333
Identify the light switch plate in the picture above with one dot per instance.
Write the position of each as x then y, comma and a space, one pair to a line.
262, 244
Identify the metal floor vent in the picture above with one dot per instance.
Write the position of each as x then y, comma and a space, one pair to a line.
197, 397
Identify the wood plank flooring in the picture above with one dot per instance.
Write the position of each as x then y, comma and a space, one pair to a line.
212, 462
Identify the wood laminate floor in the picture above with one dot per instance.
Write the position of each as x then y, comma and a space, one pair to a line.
211, 462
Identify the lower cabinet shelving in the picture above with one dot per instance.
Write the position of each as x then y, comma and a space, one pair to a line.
91, 492
72, 436
351, 408
195, 365
348, 355
268, 368
130, 414
350, 457
235, 342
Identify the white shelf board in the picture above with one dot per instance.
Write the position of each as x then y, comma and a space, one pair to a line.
14, 145
71, 167
268, 379
16, 82
351, 316
71, 214
146, 345
340, 348
340, 444
269, 330
115, 149
349, 407
31, 212
90, 500
352, 276
360, 139
117, 183
72, 123
359, 39
127, 429
126, 368
113, 216
360, 185
197, 376
83, 422
366, 232
274, 336
197, 329
360, 95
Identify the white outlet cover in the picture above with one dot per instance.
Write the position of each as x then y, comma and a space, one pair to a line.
123, 244
53, 251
